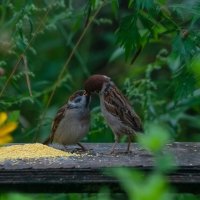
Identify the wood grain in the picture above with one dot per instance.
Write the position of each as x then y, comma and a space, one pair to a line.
85, 173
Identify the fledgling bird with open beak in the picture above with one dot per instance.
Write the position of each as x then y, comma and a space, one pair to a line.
72, 121
116, 109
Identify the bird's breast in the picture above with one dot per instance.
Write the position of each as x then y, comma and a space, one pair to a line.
112, 120
72, 128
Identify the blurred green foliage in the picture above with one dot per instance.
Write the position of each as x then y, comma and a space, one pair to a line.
49, 48
139, 187
150, 48
155, 137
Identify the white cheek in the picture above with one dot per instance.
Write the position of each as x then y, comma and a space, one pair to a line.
71, 103
83, 101
106, 77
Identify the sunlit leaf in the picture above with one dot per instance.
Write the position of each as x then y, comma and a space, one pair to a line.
128, 35
155, 137
7, 128
3, 117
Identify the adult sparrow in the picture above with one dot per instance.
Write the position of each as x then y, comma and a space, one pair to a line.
116, 109
72, 121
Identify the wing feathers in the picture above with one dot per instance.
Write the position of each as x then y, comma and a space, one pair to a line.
60, 114
118, 106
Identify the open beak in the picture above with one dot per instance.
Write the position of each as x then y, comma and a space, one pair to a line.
87, 98
85, 93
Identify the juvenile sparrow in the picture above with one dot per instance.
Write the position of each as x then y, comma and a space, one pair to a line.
72, 121
116, 109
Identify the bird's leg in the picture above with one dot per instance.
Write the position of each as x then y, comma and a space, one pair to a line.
82, 147
129, 144
114, 145
65, 148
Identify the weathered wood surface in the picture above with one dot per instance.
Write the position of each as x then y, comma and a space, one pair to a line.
85, 172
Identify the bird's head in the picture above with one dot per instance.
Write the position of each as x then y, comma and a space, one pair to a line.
95, 83
79, 99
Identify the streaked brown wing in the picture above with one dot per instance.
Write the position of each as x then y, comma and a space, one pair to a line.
60, 114
119, 107
134, 120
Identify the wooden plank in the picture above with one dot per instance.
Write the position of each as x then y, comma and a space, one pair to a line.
84, 173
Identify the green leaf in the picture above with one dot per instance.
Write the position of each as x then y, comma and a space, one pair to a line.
14, 116
140, 187
155, 138
164, 162
194, 67
144, 4
2, 63
183, 84
115, 6
128, 35
116, 54
18, 196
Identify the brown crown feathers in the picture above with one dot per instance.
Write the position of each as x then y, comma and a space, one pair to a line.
95, 82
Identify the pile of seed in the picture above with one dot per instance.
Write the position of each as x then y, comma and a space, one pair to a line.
31, 151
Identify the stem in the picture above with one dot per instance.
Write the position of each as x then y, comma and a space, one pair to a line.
23, 53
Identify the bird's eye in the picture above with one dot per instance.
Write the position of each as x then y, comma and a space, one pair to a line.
77, 100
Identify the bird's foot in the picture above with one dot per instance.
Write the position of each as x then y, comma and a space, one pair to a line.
128, 152
83, 148
112, 152
65, 148
78, 150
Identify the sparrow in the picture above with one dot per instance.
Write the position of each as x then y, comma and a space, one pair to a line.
72, 121
115, 108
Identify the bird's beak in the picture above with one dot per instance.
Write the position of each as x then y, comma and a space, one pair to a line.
87, 98
85, 93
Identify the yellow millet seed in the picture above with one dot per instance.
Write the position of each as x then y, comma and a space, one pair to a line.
31, 151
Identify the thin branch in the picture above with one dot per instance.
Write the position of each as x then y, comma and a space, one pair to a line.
26, 75
88, 15
136, 54
11, 75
